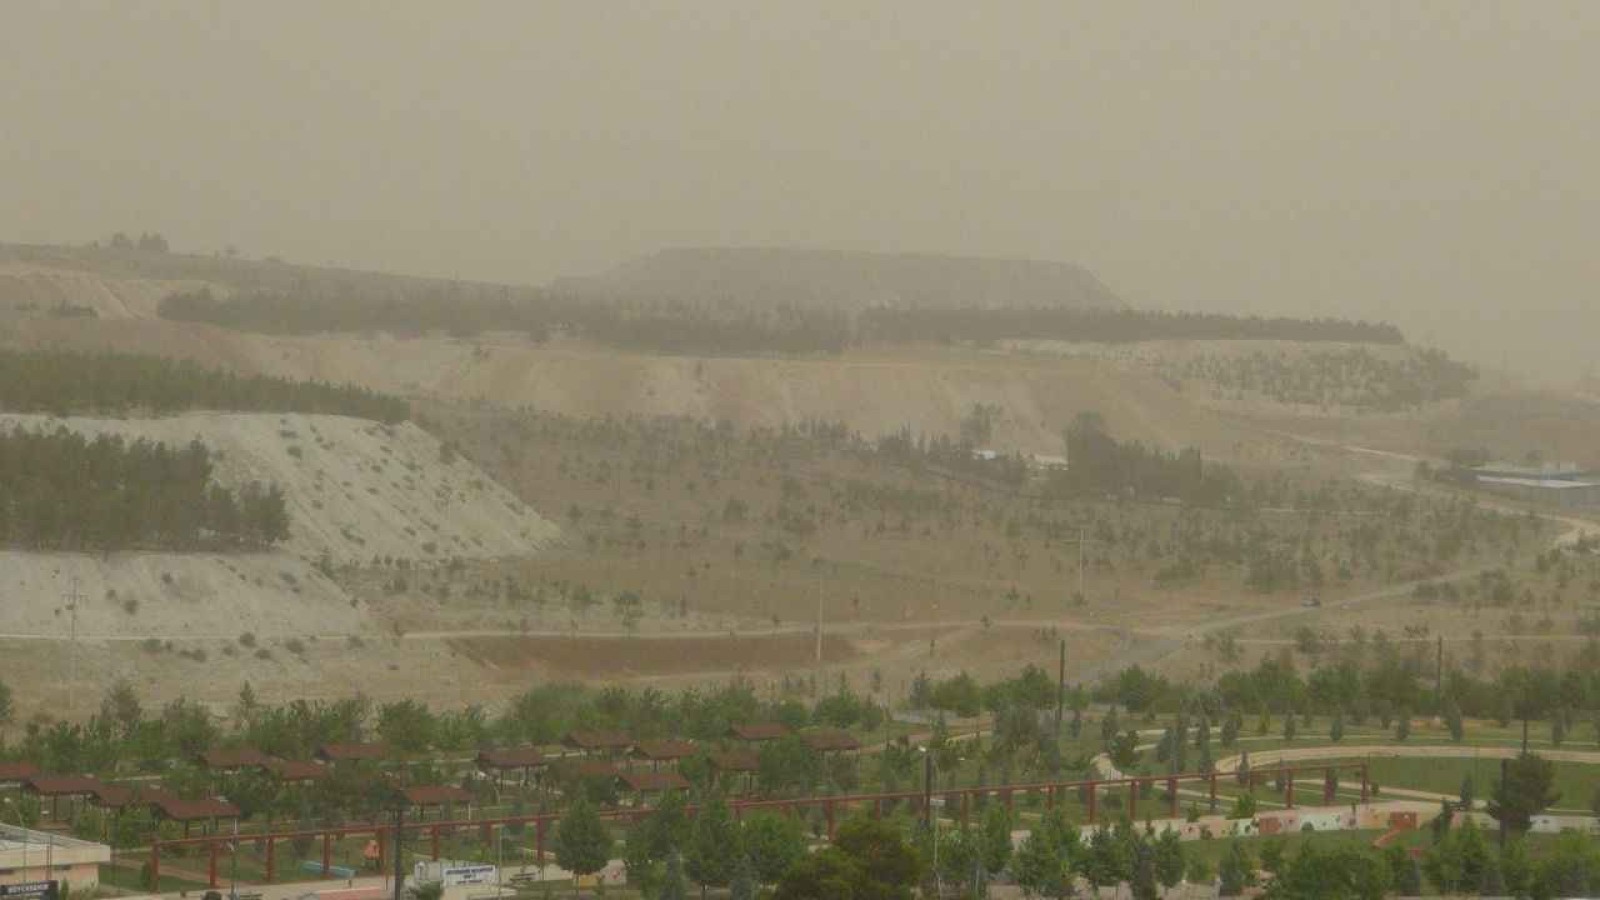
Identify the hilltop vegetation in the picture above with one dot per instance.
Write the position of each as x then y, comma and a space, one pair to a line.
63, 383
1352, 377
63, 491
705, 328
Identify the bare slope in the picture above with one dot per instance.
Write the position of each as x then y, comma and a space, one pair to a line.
829, 279
928, 390
355, 489
27, 288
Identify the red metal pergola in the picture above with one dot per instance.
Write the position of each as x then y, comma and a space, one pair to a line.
829, 805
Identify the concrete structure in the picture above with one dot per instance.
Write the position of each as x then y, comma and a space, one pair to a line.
29, 856
1567, 493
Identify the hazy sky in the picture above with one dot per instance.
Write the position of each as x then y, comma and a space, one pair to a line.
1436, 164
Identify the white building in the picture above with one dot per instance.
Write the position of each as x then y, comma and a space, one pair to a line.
31, 856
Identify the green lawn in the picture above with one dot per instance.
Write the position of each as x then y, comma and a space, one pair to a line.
128, 880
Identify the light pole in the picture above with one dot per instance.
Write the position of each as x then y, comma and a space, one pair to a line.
233, 876
928, 821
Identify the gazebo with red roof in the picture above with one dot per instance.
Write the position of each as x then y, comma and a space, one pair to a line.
658, 752
759, 732
436, 795
176, 809
830, 740
510, 759
647, 784
735, 763
73, 787
611, 743
296, 771
13, 774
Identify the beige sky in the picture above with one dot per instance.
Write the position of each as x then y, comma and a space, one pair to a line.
1436, 164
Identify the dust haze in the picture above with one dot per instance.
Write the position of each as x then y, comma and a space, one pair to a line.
1429, 164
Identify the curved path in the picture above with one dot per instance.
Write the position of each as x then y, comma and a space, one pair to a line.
1424, 751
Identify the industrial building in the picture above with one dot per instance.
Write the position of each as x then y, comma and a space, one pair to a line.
1565, 486
30, 857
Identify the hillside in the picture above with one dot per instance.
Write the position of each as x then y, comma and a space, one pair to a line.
839, 280
354, 489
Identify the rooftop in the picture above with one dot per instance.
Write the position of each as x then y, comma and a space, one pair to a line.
1555, 484
664, 749
650, 782
349, 752
13, 837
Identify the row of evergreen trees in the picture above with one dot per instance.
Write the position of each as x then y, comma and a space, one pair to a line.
62, 382
1113, 326
731, 329
1101, 465
63, 491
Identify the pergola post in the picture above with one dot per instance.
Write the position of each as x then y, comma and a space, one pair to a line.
1092, 800
155, 864
272, 859
538, 839
327, 853
1330, 785
1172, 795
211, 864
1133, 800
1288, 790
433, 837
1213, 790
827, 812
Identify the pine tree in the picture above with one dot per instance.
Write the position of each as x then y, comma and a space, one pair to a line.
1237, 871
1169, 861
673, 886
713, 847
1336, 728
1143, 883
1453, 721
583, 845
743, 886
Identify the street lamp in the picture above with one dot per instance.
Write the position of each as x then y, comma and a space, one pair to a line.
928, 821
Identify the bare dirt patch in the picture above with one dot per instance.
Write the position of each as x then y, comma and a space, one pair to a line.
621, 657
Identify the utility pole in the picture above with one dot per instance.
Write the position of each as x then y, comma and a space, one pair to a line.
819, 624
1083, 539
399, 842
1438, 678
73, 597
1061, 687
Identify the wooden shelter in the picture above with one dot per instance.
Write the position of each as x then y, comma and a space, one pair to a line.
511, 759
175, 809
13, 774
658, 752
296, 771
55, 787
830, 740
436, 796
735, 764
646, 785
